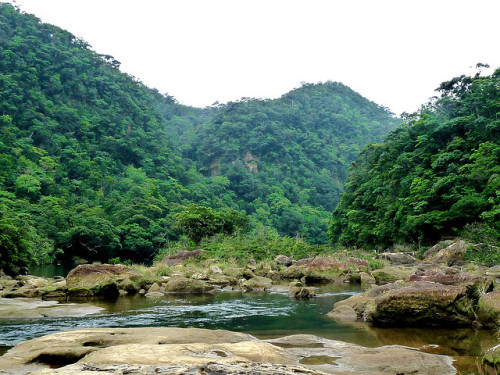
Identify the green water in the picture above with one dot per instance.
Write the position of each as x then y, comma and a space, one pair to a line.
264, 315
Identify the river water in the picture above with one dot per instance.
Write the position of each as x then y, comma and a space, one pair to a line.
264, 315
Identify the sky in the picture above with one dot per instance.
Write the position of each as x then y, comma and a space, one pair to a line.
393, 52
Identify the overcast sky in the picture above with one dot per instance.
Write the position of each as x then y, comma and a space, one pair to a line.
394, 52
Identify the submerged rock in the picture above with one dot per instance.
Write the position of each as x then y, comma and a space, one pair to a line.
201, 351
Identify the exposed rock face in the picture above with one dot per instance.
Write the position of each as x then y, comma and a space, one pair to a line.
102, 280
398, 258
177, 258
488, 311
390, 274
200, 351
417, 304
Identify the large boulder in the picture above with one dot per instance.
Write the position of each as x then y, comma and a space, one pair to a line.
105, 280
416, 304
181, 256
488, 311
450, 255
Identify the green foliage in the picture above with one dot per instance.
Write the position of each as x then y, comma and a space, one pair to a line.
96, 165
433, 176
198, 221
286, 159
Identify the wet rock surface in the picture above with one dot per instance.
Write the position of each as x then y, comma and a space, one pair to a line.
201, 351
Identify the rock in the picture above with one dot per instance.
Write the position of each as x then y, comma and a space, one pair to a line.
234, 272
27, 287
248, 273
436, 248
223, 281
398, 258
102, 280
343, 313
257, 283
199, 276
417, 304
294, 272
33, 308
177, 258
263, 269
452, 276
492, 356
390, 274
324, 264
449, 255
191, 351
367, 278
274, 275
283, 260
155, 291
184, 285
301, 292
360, 263
488, 311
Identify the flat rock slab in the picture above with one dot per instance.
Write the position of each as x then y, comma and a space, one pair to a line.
209, 352
28, 308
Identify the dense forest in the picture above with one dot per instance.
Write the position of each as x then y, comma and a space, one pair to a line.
437, 175
286, 159
96, 165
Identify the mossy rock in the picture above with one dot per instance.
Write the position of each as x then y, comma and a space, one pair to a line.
294, 272
185, 285
257, 283
492, 357
103, 280
391, 274
488, 311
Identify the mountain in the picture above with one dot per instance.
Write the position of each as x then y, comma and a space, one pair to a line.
96, 165
286, 159
437, 175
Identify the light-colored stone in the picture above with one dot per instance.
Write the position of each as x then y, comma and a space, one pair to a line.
191, 351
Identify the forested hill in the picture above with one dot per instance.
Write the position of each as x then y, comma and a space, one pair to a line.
437, 175
96, 165
87, 165
286, 159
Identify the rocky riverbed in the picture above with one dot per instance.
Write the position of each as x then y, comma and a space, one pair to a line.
201, 351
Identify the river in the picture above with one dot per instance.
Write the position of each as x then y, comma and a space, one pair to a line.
264, 315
